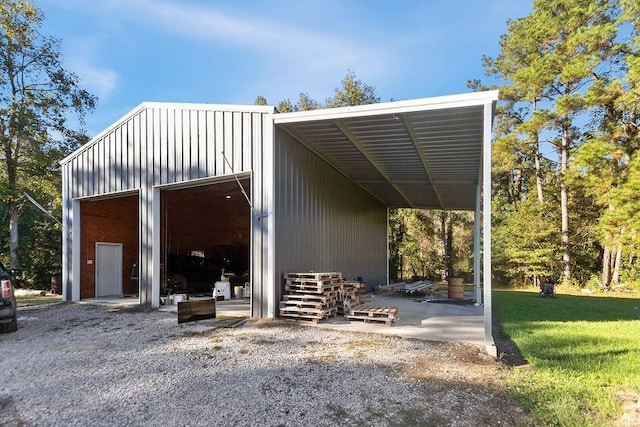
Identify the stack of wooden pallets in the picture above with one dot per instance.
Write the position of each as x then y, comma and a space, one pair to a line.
352, 294
360, 288
311, 296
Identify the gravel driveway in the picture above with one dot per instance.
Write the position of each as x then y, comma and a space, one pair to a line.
79, 364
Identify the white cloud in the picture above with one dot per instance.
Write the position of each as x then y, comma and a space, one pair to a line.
80, 54
295, 45
98, 81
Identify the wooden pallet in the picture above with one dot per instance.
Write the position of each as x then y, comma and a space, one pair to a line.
359, 287
313, 317
313, 276
310, 304
325, 299
311, 311
312, 288
311, 296
313, 282
373, 313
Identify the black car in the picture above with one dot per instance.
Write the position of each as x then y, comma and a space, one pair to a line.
8, 306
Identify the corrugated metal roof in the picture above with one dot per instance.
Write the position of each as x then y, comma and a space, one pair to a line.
424, 153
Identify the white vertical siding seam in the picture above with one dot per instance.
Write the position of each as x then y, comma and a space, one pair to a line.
201, 137
67, 221
269, 184
486, 219
477, 218
75, 251
155, 248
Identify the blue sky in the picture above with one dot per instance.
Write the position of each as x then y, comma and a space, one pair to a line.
229, 52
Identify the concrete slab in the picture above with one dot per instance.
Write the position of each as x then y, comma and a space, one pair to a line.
417, 318
431, 319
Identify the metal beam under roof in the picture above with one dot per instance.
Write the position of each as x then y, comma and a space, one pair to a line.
424, 153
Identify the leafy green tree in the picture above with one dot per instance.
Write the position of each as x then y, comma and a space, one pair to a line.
527, 248
397, 233
352, 92
422, 245
285, 106
305, 103
549, 59
36, 96
260, 100
604, 161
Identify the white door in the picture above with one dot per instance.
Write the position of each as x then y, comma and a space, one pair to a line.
108, 269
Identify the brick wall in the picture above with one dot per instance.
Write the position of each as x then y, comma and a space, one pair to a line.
204, 223
111, 221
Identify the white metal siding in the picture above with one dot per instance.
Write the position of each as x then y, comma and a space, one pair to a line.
324, 221
161, 144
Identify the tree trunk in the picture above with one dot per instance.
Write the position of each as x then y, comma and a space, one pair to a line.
14, 261
536, 158
517, 184
606, 267
538, 165
443, 236
564, 203
615, 279
450, 271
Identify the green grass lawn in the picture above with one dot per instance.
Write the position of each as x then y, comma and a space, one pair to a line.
584, 350
34, 298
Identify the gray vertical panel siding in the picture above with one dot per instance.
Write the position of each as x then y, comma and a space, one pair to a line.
162, 144
146, 199
236, 145
171, 150
324, 221
261, 288
219, 136
194, 149
188, 144
227, 142
247, 138
158, 146
202, 143
210, 143
258, 250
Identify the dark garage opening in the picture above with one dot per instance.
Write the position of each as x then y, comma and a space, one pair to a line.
205, 234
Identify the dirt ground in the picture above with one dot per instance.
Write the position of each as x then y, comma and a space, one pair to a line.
280, 373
